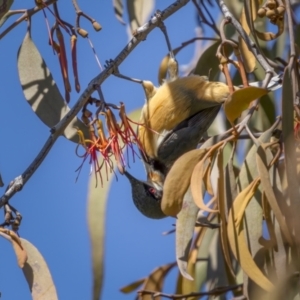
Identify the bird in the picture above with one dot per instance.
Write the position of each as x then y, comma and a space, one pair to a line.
173, 120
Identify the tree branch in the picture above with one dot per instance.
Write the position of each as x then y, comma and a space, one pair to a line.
251, 46
28, 13
140, 35
214, 292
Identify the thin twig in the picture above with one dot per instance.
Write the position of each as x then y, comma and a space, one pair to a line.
56, 131
26, 15
251, 46
216, 291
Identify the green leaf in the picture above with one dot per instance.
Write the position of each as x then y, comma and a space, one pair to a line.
139, 11
263, 158
132, 286
41, 91
208, 64
37, 274
97, 198
185, 226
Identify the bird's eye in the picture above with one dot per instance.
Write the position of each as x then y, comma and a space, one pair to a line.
152, 191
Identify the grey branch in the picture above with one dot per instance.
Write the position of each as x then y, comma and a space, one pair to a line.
140, 35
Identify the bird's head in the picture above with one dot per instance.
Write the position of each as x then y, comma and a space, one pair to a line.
146, 197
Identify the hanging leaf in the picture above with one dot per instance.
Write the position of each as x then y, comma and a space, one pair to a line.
4, 8
41, 92
261, 159
269, 36
240, 100
178, 180
132, 286
253, 217
185, 286
139, 12
17, 245
119, 9
290, 160
235, 230
247, 17
222, 209
203, 68
197, 187
185, 225
37, 274
97, 198
204, 245
216, 268
155, 280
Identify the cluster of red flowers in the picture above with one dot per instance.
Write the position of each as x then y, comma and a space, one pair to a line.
100, 148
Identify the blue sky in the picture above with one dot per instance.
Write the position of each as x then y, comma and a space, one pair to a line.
52, 204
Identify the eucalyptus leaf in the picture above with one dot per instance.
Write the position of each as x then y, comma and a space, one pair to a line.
97, 199
41, 91
4, 8
185, 225
139, 11
203, 68
37, 274
119, 10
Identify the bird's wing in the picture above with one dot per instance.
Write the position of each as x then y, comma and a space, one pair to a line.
185, 136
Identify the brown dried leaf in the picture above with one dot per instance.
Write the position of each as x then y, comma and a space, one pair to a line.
41, 91
38, 275
269, 36
180, 172
196, 185
132, 286
155, 281
230, 182
235, 230
245, 18
240, 100
207, 179
17, 245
